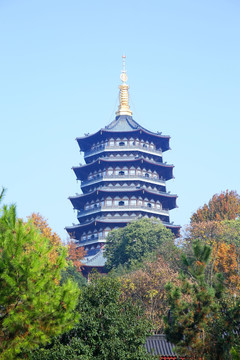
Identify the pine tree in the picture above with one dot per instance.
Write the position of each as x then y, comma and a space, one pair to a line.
33, 305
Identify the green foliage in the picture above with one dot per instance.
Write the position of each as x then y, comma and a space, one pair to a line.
235, 352
34, 306
204, 323
108, 328
70, 273
137, 241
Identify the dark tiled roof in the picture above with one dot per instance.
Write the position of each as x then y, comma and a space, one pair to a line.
95, 260
158, 345
123, 123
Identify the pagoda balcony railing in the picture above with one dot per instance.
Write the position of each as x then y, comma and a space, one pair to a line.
128, 188
101, 148
118, 218
131, 188
92, 240
122, 177
104, 208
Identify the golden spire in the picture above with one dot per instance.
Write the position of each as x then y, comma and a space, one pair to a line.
123, 108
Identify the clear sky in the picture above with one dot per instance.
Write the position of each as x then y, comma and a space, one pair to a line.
60, 63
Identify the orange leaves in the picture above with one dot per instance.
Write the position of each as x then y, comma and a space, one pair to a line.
208, 232
76, 254
225, 206
45, 230
226, 262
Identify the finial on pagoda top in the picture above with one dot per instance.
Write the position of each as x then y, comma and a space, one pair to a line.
123, 108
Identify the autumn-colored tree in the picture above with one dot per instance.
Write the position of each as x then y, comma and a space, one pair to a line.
45, 230
225, 257
42, 224
205, 325
146, 286
224, 206
76, 254
224, 239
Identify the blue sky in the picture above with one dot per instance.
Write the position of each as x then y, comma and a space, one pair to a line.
60, 63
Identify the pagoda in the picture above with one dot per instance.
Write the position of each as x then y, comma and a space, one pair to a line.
123, 179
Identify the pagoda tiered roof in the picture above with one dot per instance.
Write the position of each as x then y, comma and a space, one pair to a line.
124, 125
76, 230
82, 170
79, 200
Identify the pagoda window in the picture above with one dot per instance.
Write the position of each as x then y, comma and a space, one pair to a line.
133, 202
121, 203
147, 175
84, 237
126, 202
121, 173
132, 172
100, 234
109, 202
122, 143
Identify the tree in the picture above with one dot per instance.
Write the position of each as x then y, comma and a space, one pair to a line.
224, 206
146, 287
224, 239
108, 328
71, 273
34, 306
203, 323
76, 254
137, 241
42, 225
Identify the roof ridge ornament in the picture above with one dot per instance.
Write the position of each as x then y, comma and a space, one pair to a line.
124, 108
